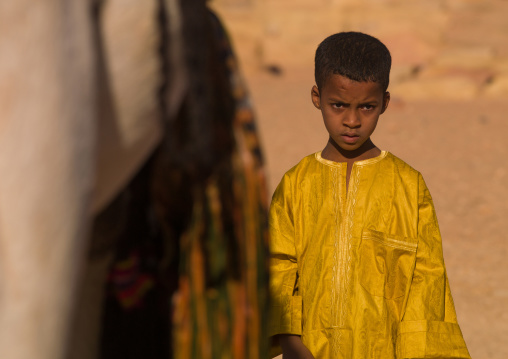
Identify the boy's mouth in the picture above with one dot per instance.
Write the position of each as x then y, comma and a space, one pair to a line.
349, 137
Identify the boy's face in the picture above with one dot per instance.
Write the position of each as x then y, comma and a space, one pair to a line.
350, 109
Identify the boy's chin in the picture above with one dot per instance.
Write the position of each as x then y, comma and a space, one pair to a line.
349, 147
352, 150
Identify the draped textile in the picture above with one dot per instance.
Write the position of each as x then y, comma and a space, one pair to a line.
220, 308
359, 272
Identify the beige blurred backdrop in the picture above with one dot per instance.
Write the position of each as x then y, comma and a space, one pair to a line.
447, 118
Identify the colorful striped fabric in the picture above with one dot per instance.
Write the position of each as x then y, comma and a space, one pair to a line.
220, 309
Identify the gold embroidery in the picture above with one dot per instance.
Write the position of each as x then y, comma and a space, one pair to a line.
394, 243
389, 240
347, 240
335, 276
344, 211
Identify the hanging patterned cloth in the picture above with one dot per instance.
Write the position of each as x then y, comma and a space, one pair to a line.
220, 308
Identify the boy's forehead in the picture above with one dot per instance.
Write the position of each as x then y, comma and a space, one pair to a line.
338, 83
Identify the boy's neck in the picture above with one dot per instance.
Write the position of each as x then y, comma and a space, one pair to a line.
334, 152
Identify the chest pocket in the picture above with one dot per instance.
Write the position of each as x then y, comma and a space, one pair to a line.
386, 264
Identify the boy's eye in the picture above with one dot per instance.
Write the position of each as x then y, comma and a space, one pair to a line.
338, 105
368, 107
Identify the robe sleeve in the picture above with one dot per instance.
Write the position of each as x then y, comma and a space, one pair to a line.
286, 305
429, 327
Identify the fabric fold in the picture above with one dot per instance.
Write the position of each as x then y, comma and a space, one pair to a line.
286, 316
430, 339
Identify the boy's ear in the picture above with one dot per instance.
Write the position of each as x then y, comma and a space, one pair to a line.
316, 99
386, 101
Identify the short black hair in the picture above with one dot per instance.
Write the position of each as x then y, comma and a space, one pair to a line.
357, 56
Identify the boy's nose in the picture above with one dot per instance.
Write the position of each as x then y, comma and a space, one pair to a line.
352, 120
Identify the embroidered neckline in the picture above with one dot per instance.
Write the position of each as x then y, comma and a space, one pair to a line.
357, 163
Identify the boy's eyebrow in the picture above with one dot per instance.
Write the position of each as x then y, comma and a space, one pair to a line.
336, 99
368, 102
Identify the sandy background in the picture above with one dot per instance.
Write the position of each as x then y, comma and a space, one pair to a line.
447, 118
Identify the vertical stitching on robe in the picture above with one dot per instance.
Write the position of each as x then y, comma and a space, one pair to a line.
336, 182
347, 241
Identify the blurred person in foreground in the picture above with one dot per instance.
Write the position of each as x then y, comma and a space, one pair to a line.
357, 268
129, 155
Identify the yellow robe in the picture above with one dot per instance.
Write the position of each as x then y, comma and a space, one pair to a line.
359, 273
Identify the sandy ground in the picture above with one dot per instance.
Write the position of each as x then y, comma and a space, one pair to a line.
454, 132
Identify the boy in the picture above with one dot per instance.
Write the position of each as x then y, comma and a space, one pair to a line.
357, 268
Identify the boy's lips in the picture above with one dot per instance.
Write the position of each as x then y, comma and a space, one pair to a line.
349, 137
